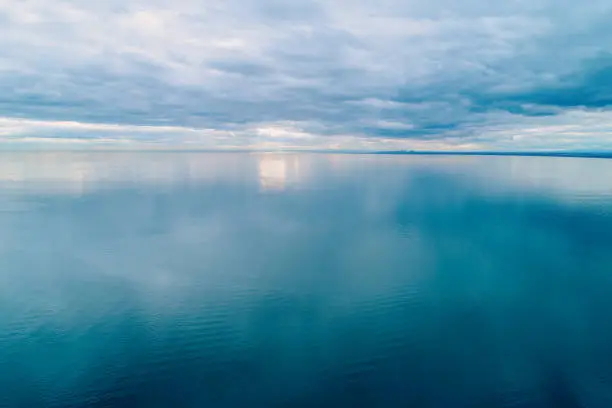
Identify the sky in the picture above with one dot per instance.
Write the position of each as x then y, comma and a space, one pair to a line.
306, 74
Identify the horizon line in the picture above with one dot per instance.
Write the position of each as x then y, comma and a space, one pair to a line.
542, 153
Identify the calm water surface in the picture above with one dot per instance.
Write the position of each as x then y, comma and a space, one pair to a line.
241, 280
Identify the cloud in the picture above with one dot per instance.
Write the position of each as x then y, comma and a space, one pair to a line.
384, 73
26, 134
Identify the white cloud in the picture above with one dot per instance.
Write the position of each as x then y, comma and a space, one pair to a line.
20, 133
576, 129
385, 69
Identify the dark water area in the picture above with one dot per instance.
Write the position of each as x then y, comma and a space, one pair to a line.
285, 280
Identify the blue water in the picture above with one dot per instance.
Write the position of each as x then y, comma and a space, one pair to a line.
244, 280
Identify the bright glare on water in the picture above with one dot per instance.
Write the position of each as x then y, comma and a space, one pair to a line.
304, 281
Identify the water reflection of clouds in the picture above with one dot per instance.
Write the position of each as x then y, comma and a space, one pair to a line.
397, 261
277, 172
77, 173
567, 176
80, 172
563, 178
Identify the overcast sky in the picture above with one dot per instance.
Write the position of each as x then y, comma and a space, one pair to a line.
336, 74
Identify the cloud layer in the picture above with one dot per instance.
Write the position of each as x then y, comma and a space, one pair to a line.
385, 74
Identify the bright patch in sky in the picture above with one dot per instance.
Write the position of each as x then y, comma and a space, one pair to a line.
306, 74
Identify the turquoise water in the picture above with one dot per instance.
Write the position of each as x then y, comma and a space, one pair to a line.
271, 280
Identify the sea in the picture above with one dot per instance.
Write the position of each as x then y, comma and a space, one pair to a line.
304, 280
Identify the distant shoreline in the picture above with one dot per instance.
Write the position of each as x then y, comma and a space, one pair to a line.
594, 155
